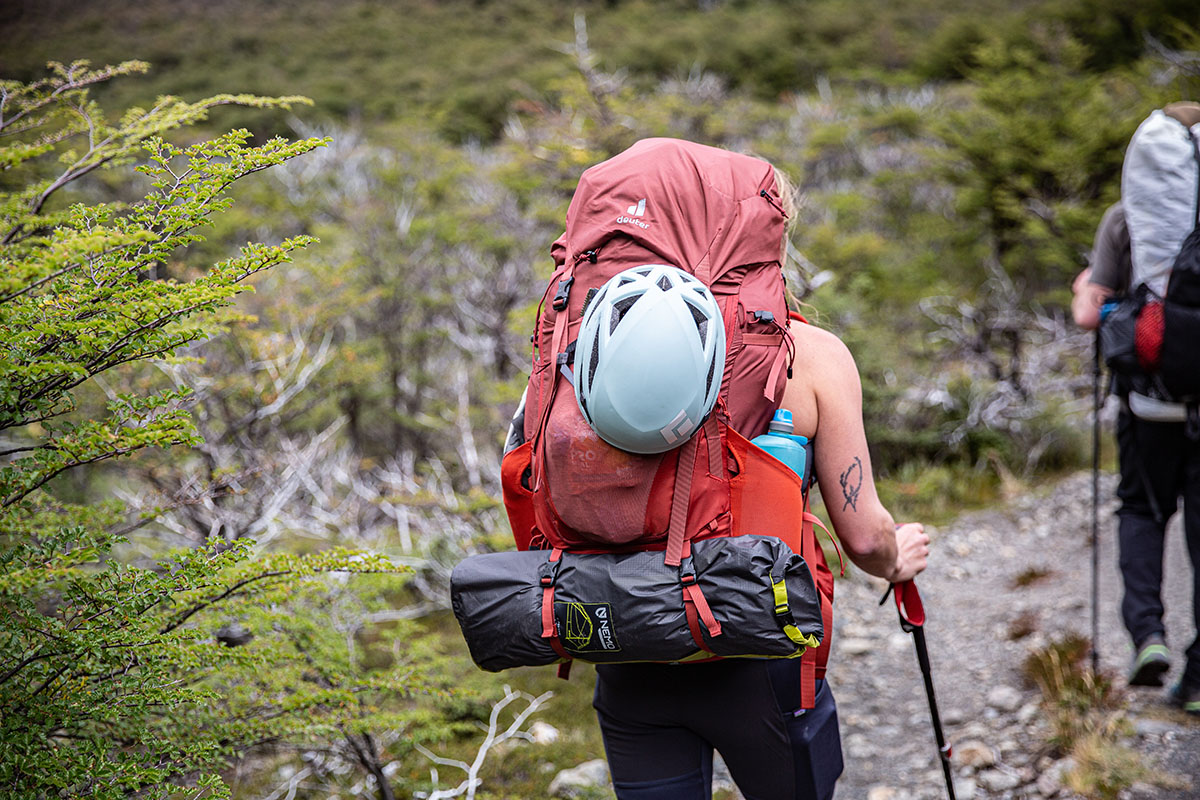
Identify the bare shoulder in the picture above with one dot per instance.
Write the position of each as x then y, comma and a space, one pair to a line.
821, 353
824, 382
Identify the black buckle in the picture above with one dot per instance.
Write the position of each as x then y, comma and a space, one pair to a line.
548, 572
561, 296
566, 356
687, 571
764, 316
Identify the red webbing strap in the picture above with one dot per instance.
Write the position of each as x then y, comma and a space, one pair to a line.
808, 661
817, 658
695, 607
693, 595
548, 630
693, 621
557, 345
808, 678
812, 519
677, 531
712, 433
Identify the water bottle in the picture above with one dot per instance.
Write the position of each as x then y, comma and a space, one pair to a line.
788, 447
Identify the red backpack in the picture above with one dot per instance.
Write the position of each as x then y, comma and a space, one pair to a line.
717, 215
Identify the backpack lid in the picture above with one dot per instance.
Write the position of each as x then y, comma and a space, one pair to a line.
1158, 193
682, 201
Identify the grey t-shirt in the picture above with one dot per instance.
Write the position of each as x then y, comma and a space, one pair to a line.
1112, 260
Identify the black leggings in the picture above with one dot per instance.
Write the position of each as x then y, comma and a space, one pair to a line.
661, 723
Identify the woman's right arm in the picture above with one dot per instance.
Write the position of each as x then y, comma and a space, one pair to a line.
843, 464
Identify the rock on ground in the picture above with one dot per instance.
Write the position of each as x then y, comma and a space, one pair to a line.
580, 780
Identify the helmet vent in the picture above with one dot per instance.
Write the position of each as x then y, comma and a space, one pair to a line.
708, 382
701, 323
594, 361
664, 283
619, 310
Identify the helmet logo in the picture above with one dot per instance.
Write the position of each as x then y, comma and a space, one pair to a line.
679, 428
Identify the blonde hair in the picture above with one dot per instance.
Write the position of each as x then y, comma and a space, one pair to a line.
787, 196
789, 199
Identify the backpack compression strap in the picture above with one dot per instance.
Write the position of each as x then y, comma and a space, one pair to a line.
679, 546
548, 573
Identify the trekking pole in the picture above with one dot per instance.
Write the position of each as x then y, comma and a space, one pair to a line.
912, 620
1096, 506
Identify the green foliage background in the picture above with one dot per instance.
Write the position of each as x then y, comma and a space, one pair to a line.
952, 159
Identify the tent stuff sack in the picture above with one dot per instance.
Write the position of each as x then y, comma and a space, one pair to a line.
624, 607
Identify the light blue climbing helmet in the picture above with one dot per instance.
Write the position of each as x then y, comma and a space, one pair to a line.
649, 358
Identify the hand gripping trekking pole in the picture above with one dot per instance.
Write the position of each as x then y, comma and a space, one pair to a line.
912, 620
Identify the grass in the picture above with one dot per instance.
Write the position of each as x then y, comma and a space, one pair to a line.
1024, 625
1030, 576
1078, 701
1103, 766
1088, 723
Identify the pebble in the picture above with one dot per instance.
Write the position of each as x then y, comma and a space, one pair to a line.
1050, 782
580, 781
1004, 698
953, 716
857, 745
1152, 727
974, 754
855, 647
965, 788
543, 733
995, 780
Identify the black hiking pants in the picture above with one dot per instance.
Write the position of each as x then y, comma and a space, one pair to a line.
661, 723
1159, 465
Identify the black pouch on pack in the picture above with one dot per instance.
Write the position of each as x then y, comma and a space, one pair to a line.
1180, 369
626, 607
1118, 334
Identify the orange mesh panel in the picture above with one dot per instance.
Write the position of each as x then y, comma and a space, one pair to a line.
518, 501
596, 489
766, 497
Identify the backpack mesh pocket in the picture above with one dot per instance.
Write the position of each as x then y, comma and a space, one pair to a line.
597, 490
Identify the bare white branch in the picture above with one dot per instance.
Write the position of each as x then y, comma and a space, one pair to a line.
492, 737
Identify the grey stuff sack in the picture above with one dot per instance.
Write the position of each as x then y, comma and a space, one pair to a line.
625, 607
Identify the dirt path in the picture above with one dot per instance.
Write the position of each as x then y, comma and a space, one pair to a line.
991, 717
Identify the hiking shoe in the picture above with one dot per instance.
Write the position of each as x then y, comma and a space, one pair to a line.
1150, 664
1185, 696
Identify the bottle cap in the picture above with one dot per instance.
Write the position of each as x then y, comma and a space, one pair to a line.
781, 422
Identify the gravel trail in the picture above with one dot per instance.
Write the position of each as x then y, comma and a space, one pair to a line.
973, 604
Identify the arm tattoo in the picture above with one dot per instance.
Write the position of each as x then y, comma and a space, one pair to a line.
851, 481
